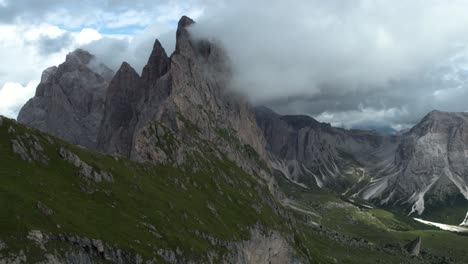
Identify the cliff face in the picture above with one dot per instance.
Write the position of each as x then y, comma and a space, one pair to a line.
69, 101
431, 162
193, 94
424, 168
121, 112
134, 116
311, 153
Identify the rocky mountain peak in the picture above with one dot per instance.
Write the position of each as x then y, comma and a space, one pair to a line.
183, 40
69, 100
185, 21
157, 66
120, 111
440, 122
79, 56
125, 69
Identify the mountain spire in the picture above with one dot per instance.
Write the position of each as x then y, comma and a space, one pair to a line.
157, 66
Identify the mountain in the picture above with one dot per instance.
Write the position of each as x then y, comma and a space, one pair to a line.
69, 100
316, 154
66, 204
122, 115
420, 172
172, 166
431, 165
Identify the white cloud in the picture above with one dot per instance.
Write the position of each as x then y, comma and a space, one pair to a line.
23, 59
34, 36
13, 96
344, 62
86, 36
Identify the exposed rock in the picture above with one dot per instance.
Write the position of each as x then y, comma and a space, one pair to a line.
422, 168
69, 101
37, 237
413, 248
20, 149
85, 170
158, 64
3, 245
263, 248
429, 166
44, 209
311, 153
18, 258
121, 114
196, 106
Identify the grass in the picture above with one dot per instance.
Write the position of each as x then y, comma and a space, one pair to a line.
151, 206
179, 204
379, 227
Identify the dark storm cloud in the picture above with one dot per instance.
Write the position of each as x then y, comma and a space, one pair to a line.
347, 62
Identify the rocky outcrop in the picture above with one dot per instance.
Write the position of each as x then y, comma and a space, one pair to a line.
414, 247
193, 103
28, 148
69, 101
263, 248
85, 170
429, 165
158, 64
121, 113
311, 153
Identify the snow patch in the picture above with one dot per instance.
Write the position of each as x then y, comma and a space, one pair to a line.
465, 222
446, 227
418, 206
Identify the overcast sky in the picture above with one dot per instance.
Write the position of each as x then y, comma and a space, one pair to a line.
350, 63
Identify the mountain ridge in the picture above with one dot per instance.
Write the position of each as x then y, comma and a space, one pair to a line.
181, 114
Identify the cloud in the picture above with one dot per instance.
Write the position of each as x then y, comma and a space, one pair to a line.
13, 96
39, 34
350, 63
48, 45
353, 60
135, 49
96, 14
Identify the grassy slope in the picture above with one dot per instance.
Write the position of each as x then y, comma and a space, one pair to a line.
179, 202
220, 202
379, 227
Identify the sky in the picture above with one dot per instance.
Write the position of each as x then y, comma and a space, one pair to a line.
350, 63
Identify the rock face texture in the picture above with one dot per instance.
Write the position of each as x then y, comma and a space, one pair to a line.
263, 248
127, 114
414, 247
311, 153
69, 101
426, 167
120, 115
430, 163
193, 93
